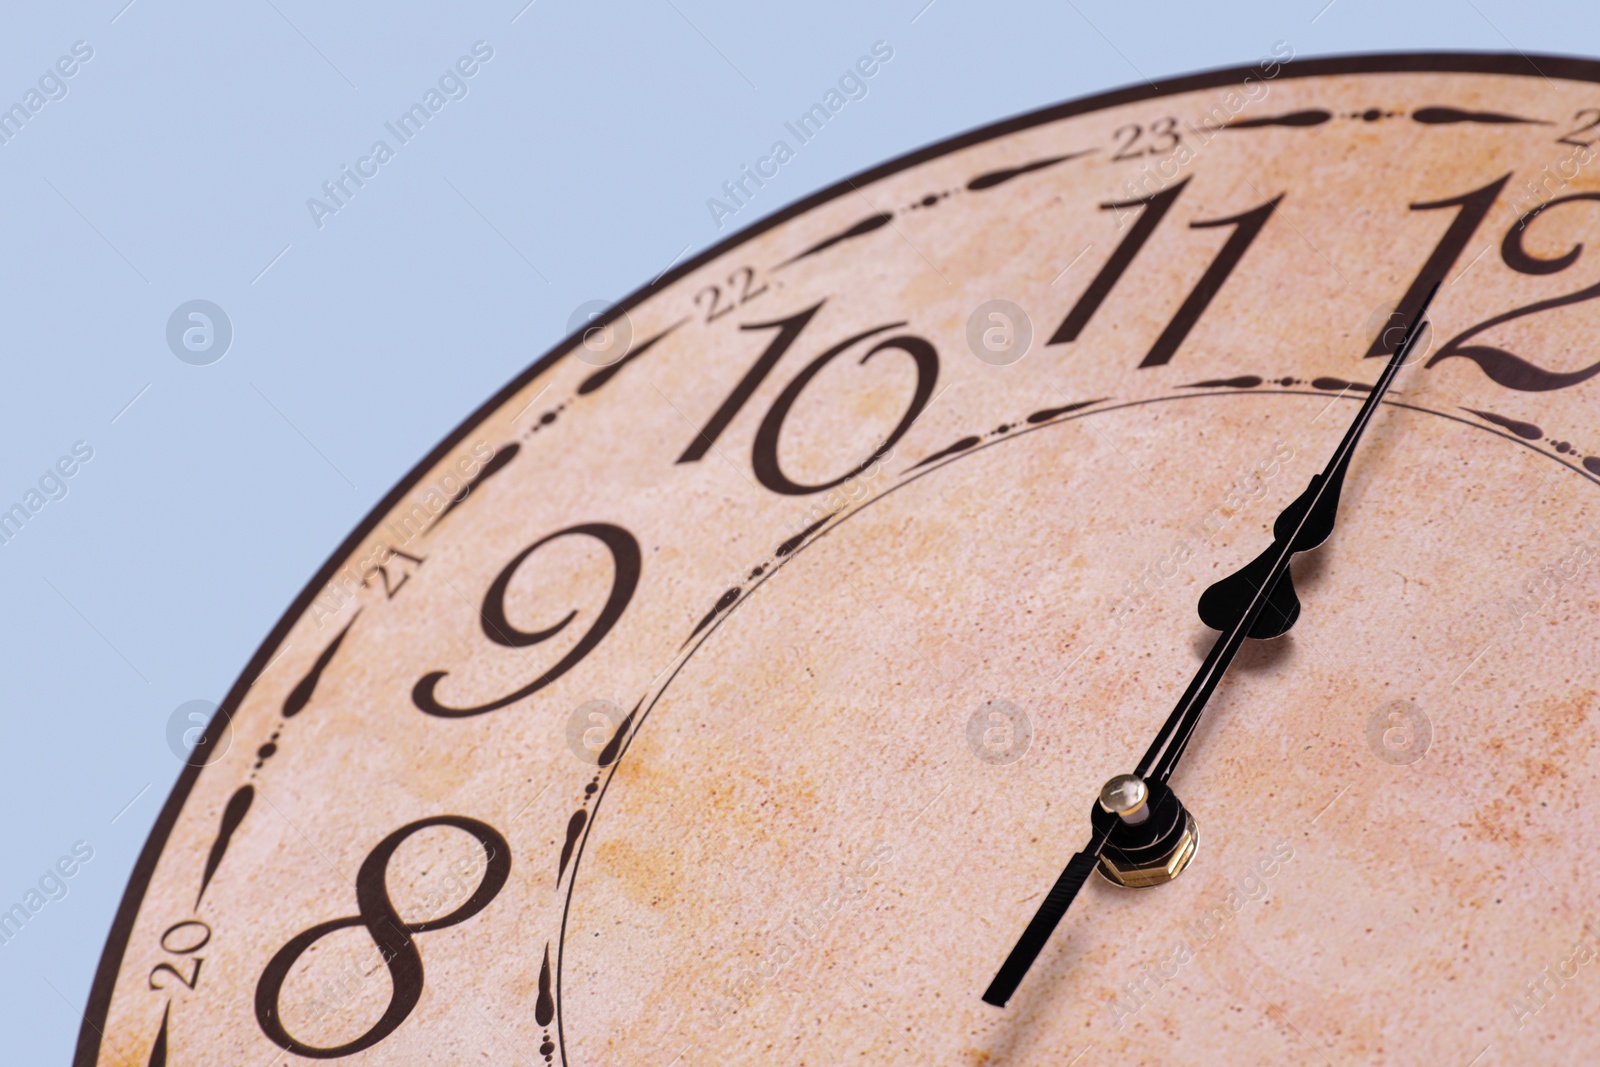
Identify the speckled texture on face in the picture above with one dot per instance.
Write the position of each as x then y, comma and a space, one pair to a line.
799, 848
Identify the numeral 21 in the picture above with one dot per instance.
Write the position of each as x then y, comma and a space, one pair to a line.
1152, 209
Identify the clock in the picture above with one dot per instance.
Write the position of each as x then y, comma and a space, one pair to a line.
734, 684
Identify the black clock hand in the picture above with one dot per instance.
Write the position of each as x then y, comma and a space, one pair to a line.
1257, 601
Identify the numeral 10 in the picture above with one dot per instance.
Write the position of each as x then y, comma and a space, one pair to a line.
764, 450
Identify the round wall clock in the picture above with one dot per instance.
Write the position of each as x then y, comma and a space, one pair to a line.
735, 686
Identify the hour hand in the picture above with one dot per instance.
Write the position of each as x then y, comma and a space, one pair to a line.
1225, 603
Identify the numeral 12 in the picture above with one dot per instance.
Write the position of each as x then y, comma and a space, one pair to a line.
1472, 207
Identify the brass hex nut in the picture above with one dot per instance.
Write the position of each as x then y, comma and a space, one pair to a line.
1156, 871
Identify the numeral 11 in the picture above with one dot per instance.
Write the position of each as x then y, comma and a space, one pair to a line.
1152, 209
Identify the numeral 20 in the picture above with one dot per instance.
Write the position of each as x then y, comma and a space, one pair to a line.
189, 944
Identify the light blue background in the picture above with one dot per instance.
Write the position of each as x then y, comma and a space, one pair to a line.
577, 167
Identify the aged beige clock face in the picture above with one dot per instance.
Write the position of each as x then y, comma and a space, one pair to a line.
747, 704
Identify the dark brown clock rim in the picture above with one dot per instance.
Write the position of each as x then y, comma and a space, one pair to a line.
1567, 68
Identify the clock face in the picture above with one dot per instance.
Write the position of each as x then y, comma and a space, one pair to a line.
733, 685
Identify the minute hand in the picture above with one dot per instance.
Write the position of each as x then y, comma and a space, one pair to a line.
1259, 600
1237, 605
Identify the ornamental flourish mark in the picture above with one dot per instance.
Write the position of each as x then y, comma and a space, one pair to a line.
1527, 431
977, 184
973, 440
1427, 116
